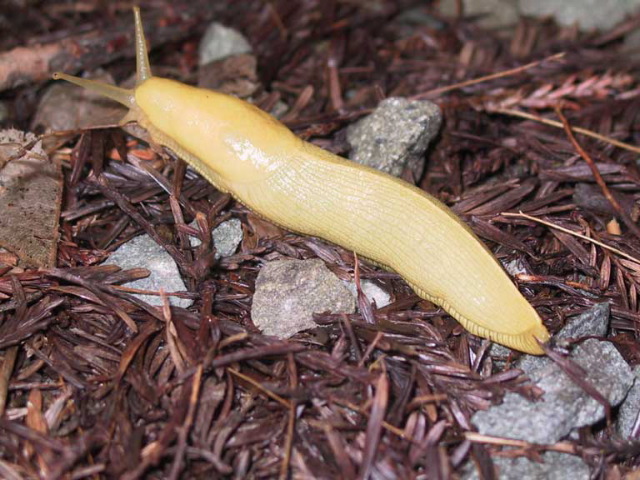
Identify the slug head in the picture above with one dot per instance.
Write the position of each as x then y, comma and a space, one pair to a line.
226, 139
123, 96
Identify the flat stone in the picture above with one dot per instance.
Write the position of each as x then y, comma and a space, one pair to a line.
395, 136
30, 198
144, 252
289, 292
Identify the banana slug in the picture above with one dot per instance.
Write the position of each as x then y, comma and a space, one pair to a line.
244, 151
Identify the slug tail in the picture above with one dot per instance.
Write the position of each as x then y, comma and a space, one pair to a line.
525, 342
143, 67
120, 95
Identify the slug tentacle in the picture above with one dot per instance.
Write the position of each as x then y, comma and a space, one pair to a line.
143, 67
246, 152
121, 95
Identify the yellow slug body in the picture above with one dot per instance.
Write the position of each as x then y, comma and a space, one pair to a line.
246, 152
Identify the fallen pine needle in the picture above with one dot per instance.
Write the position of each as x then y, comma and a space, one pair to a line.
261, 388
564, 447
555, 123
575, 234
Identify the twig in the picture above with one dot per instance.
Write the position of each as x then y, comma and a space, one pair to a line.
274, 396
564, 447
596, 174
36, 63
486, 78
178, 459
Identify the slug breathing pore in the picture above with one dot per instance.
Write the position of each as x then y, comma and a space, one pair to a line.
244, 151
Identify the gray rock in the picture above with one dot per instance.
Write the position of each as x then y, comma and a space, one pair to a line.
565, 405
491, 13
226, 237
143, 252
630, 408
515, 267
555, 466
588, 14
220, 42
395, 135
594, 322
373, 292
289, 292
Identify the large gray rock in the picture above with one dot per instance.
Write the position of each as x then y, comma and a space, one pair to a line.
588, 14
144, 252
564, 406
630, 408
395, 136
289, 292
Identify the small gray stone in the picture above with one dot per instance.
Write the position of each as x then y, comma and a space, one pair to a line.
515, 267
289, 292
373, 292
220, 42
592, 323
395, 136
555, 466
565, 405
588, 14
630, 408
143, 252
226, 237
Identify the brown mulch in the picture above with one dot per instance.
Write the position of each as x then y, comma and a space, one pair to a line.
96, 383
